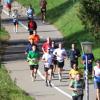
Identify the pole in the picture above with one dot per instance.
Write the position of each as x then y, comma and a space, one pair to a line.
86, 79
0, 16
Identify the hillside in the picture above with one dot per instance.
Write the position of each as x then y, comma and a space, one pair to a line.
63, 14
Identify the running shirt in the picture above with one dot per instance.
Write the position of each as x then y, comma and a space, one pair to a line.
46, 46
48, 59
30, 12
33, 57
78, 85
15, 17
96, 74
73, 72
60, 53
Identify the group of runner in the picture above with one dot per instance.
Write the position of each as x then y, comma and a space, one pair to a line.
54, 56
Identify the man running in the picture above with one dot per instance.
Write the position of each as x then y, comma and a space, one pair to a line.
46, 45
32, 26
33, 59
30, 12
43, 4
15, 19
48, 66
60, 53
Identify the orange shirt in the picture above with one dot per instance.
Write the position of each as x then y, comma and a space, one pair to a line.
35, 38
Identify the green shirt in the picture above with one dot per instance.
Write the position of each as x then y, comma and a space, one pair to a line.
33, 57
79, 85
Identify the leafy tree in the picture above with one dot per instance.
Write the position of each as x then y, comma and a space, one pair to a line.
89, 13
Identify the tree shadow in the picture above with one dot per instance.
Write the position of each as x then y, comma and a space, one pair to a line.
57, 12
79, 37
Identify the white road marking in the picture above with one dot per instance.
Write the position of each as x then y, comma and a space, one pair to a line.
58, 89
40, 74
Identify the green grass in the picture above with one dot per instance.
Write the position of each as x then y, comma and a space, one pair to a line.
4, 36
8, 89
63, 14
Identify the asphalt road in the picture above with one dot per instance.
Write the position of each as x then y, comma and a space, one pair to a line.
15, 62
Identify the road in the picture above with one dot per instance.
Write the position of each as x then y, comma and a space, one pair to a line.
18, 68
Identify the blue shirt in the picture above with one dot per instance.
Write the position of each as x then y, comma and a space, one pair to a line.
90, 56
28, 48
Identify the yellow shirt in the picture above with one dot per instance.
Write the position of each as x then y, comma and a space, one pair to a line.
73, 72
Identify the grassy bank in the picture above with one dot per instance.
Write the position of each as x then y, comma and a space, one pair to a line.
4, 36
8, 89
63, 14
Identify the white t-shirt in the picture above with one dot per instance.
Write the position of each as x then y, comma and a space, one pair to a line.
60, 53
48, 58
97, 71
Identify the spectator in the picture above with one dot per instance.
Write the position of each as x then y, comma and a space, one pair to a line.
43, 4
32, 26
96, 73
77, 85
74, 55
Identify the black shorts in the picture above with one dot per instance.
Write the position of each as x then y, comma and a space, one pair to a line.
46, 69
60, 64
43, 10
54, 62
97, 85
16, 23
34, 67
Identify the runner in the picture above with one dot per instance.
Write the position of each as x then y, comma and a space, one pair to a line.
77, 86
60, 53
75, 70
90, 58
74, 55
15, 19
53, 47
33, 59
48, 66
35, 37
9, 6
29, 46
30, 12
32, 26
96, 74
43, 4
46, 45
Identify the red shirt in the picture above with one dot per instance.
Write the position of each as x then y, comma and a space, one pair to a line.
46, 46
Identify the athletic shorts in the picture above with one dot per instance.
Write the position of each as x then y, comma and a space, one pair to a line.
54, 62
97, 85
43, 10
34, 67
15, 23
46, 69
60, 64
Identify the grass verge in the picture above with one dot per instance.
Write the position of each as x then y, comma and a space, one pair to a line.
8, 89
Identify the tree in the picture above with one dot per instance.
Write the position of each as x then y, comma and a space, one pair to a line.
89, 13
